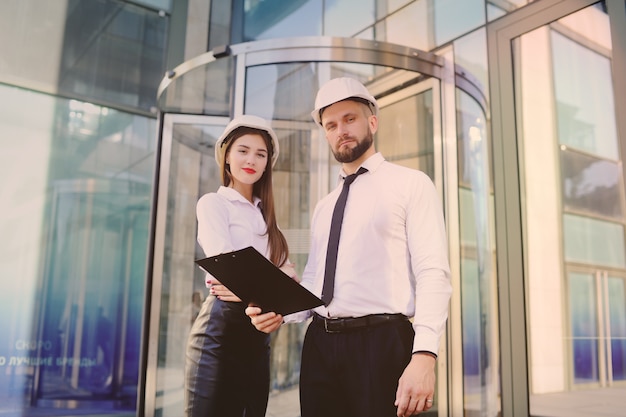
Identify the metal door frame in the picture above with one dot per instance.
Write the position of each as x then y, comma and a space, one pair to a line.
509, 234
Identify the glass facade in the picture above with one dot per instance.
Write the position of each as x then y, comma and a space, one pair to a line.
78, 82
573, 206
79, 183
103, 159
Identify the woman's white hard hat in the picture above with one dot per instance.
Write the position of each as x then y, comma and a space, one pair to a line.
339, 89
246, 120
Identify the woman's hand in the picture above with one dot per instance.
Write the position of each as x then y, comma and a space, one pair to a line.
290, 270
221, 292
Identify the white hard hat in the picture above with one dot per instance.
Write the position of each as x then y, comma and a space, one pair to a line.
251, 121
339, 89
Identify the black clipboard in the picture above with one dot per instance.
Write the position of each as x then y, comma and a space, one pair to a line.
254, 279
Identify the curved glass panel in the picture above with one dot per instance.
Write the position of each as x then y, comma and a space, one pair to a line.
286, 92
206, 84
410, 117
304, 173
199, 90
281, 92
192, 172
281, 81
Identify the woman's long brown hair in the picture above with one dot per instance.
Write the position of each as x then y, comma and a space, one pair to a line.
279, 251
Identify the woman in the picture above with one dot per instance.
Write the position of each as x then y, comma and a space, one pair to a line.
227, 367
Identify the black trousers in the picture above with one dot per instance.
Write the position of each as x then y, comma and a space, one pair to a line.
356, 373
227, 363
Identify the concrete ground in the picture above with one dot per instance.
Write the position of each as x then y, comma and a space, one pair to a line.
284, 404
607, 402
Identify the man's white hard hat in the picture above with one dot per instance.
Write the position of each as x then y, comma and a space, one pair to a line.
251, 121
339, 89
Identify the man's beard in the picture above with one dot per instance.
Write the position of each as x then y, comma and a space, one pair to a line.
352, 154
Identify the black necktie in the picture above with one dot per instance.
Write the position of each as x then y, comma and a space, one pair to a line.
333, 239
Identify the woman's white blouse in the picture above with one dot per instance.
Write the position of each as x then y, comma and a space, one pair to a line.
228, 222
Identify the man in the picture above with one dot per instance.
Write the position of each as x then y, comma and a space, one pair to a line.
361, 354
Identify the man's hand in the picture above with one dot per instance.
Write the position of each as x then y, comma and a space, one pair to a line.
290, 270
266, 322
416, 386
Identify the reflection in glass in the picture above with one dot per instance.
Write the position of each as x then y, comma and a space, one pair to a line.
165, 5
192, 172
494, 12
200, 91
583, 310
361, 15
110, 51
598, 327
591, 185
423, 25
617, 317
454, 18
470, 57
593, 242
584, 98
573, 203
113, 52
79, 218
481, 374
411, 26
407, 132
281, 92
279, 19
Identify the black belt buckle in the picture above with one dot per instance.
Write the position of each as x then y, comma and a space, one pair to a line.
335, 322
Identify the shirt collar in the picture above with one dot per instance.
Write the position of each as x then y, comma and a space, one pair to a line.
233, 195
371, 164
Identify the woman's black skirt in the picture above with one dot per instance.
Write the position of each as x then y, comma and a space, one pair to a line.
227, 363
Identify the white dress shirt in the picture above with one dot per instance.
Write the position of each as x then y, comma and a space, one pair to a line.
393, 252
228, 222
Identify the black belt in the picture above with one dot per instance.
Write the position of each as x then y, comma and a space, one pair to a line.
346, 324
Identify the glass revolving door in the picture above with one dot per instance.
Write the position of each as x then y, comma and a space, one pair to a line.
276, 80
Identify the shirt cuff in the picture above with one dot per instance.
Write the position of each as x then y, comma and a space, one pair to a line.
426, 352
